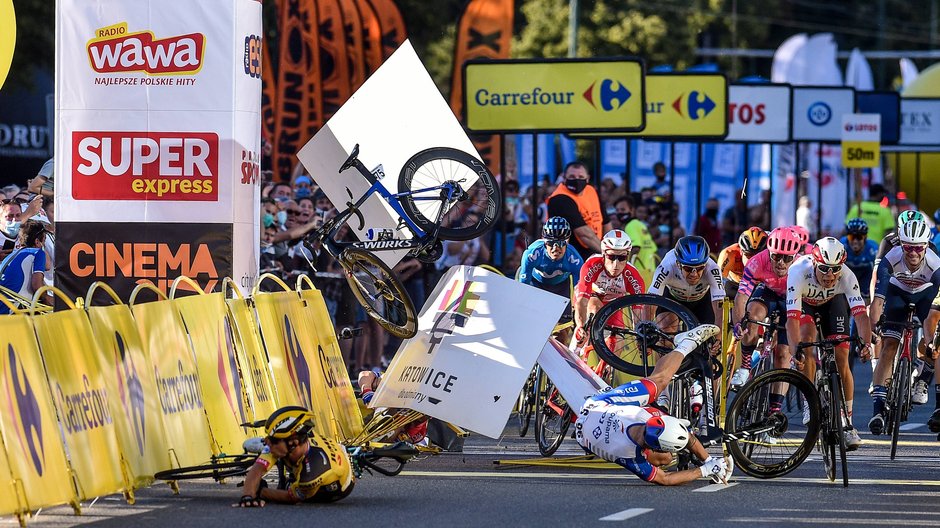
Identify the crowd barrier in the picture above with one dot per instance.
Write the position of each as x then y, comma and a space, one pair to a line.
97, 397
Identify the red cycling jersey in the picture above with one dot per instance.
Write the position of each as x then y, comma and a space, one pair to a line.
597, 282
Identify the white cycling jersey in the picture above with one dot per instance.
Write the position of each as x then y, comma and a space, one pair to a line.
802, 286
668, 275
602, 429
893, 270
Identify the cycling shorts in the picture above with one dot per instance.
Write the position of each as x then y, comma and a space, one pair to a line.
833, 316
774, 303
731, 288
701, 309
895, 311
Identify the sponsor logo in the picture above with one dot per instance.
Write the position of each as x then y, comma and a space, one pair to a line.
252, 61
130, 391
257, 377
116, 50
597, 432
85, 410
165, 166
227, 363
611, 94
24, 141
251, 167
145, 262
179, 392
746, 114
819, 113
697, 105
297, 367
385, 244
457, 306
29, 426
537, 97
861, 127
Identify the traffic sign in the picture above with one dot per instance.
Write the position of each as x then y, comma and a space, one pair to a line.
817, 112
861, 140
562, 95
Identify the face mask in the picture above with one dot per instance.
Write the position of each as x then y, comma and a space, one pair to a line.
512, 201
13, 228
624, 217
302, 192
576, 186
712, 213
282, 217
268, 219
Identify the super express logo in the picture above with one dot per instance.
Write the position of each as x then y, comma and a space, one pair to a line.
607, 95
116, 50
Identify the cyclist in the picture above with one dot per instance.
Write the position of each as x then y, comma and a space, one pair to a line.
762, 291
935, 231
820, 285
860, 254
803, 233
891, 239
550, 262
690, 277
622, 427
320, 467
732, 259
604, 278
909, 274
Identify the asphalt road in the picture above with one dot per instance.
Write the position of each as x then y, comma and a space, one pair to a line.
471, 489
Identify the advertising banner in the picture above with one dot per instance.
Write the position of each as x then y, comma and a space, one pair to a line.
124, 254
759, 113
479, 334
920, 122
861, 140
158, 112
259, 385
563, 95
570, 374
817, 112
886, 104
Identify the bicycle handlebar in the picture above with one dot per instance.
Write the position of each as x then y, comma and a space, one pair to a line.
830, 342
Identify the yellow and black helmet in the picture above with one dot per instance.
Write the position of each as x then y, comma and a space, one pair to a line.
289, 421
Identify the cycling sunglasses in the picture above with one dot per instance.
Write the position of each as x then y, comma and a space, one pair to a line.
780, 257
617, 258
693, 269
856, 237
914, 248
556, 243
829, 270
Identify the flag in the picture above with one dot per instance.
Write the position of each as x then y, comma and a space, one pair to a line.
334, 66
371, 36
314, 105
392, 24
268, 95
858, 72
294, 90
908, 72
355, 54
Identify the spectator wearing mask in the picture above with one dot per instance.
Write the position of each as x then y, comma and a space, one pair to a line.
578, 202
303, 186
13, 212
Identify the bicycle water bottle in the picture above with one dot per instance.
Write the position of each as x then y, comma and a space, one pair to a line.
695, 397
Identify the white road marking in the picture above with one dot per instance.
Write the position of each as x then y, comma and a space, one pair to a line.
911, 426
626, 514
711, 488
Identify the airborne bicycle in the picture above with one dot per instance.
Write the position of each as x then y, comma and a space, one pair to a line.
440, 187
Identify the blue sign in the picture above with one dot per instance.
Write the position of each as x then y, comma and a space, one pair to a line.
888, 104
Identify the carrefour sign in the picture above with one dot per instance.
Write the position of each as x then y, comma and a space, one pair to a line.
817, 112
554, 96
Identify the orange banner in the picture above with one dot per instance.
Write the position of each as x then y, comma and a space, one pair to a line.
334, 66
355, 53
311, 38
295, 92
484, 31
268, 94
371, 36
392, 24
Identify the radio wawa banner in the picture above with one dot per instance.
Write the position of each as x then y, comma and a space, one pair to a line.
158, 114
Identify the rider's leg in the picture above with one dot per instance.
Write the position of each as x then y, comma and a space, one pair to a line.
848, 380
807, 335
883, 373
756, 311
686, 342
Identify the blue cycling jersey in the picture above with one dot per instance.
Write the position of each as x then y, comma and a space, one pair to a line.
862, 264
538, 266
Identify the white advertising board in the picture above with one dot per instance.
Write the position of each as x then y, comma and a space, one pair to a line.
479, 335
759, 113
920, 122
817, 112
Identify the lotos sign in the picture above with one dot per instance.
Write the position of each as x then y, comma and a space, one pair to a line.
861, 140
759, 113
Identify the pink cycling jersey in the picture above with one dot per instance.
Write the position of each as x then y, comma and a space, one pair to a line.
596, 281
759, 270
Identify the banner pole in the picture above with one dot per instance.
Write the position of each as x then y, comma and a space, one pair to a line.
672, 186
796, 182
819, 185
699, 183
627, 184
535, 187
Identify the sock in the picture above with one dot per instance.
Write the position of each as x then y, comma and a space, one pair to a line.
878, 396
746, 352
776, 402
926, 372
848, 409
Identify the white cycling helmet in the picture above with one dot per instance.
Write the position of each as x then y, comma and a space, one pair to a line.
914, 232
828, 252
617, 240
667, 433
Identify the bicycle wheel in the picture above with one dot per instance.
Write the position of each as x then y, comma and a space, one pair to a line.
550, 425
527, 401
379, 292
901, 388
826, 446
836, 426
778, 441
631, 332
223, 467
425, 202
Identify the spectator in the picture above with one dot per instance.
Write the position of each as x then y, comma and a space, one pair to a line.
759, 215
578, 202
644, 248
734, 221
281, 192
22, 271
879, 218
302, 186
13, 212
805, 217
661, 187
322, 203
707, 225
43, 182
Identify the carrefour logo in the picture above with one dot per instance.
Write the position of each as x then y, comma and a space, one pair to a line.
297, 366
696, 105
227, 363
610, 94
819, 113
29, 427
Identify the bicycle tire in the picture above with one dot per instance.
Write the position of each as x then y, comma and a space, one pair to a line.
389, 293
433, 167
735, 431
546, 418
826, 446
901, 383
629, 357
235, 466
527, 402
835, 387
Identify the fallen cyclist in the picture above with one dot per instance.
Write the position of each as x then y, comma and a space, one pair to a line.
621, 426
319, 467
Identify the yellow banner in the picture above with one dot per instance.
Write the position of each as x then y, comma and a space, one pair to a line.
561, 96
259, 385
135, 406
861, 154
680, 105
292, 350
30, 432
82, 399
204, 317
177, 383
342, 397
